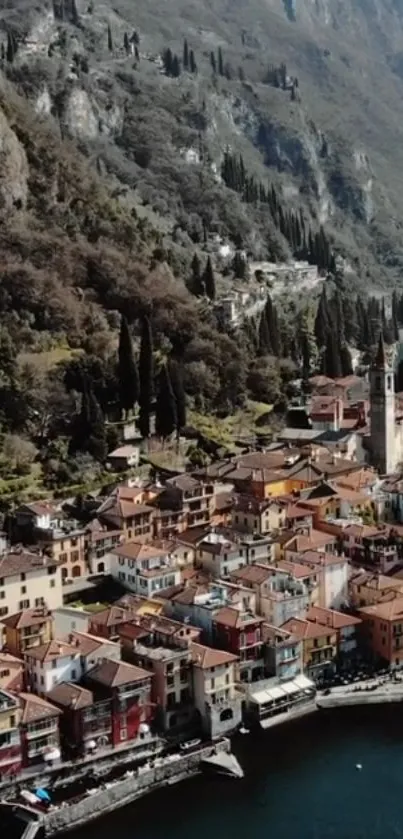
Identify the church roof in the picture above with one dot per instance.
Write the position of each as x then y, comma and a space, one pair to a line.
380, 361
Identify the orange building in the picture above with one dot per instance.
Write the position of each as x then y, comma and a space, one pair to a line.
383, 626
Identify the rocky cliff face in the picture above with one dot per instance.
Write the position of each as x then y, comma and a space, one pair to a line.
333, 150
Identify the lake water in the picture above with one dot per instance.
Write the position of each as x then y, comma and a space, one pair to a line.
300, 783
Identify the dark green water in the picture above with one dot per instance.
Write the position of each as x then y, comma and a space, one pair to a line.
300, 783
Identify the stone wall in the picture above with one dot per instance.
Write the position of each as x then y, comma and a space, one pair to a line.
124, 791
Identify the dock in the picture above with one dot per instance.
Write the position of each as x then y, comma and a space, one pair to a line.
224, 764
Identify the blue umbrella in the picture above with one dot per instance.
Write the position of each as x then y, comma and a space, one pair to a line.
42, 794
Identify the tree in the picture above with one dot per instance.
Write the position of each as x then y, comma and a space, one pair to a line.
197, 282
146, 375
346, 361
96, 443
331, 363
176, 376
166, 417
264, 343
213, 62
209, 279
126, 43
240, 265
11, 48
395, 316
220, 62
127, 370
322, 321
192, 62
185, 55
110, 40
74, 13
176, 67
167, 59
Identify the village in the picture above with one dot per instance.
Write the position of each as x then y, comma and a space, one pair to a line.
227, 598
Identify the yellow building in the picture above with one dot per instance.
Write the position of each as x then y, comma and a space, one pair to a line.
319, 645
28, 629
254, 515
28, 581
10, 740
366, 589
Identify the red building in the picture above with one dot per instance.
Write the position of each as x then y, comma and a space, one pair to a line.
10, 740
128, 688
40, 737
240, 633
83, 722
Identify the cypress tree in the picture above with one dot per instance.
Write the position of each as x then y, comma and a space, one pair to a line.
192, 62
209, 280
110, 40
220, 62
11, 48
146, 374
176, 67
395, 316
127, 370
346, 361
197, 281
2, 52
166, 417
126, 43
322, 321
176, 376
74, 13
264, 342
168, 61
185, 55
331, 363
96, 443
213, 62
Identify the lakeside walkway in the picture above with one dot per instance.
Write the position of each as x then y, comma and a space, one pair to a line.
382, 691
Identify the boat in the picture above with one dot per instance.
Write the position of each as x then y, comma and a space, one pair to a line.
189, 744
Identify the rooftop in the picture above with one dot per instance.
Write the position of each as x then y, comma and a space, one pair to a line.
35, 708
22, 561
51, 651
117, 673
207, 657
72, 696
305, 629
28, 617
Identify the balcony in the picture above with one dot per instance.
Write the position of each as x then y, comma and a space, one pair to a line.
42, 747
36, 731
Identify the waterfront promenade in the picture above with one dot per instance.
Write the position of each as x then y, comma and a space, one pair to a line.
370, 692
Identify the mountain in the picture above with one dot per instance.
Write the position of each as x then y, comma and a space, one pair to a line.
332, 145
147, 151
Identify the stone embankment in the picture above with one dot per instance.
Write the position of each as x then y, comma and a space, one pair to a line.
102, 800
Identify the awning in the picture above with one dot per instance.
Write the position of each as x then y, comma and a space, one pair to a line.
303, 682
269, 722
276, 693
290, 687
261, 697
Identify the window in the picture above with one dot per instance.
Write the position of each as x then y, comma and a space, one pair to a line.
3, 612
23, 578
75, 556
212, 684
227, 679
74, 674
63, 557
52, 582
4, 674
1, 581
54, 664
23, 604
52, 570
39, 601
23, 589
2, 595
170, 681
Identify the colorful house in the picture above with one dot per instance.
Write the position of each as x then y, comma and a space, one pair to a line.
10, 740
319, 645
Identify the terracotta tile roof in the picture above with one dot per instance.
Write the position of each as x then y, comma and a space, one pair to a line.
207, 657
294, 511
223, 501
305, 629
72, 696
255, 574
35, 708
110, 616
8, 660
117, 673
39, 508
51, 651
331, 618
28, 617
22, 562
86, 644
388, 611
321, 558
302, 542
235, 618
296, 569
136, 550
183, 482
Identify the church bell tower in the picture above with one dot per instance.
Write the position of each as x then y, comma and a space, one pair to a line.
382, 396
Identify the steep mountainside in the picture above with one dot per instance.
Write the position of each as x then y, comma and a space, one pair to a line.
330, 143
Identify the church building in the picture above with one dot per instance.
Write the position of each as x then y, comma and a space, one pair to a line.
386, 438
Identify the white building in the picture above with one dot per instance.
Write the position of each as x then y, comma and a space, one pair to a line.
67, 660
386, 441
219, 556
145, 569
214, 691
28, 581
52, 663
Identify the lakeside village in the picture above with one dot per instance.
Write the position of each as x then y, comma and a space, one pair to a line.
245, 593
